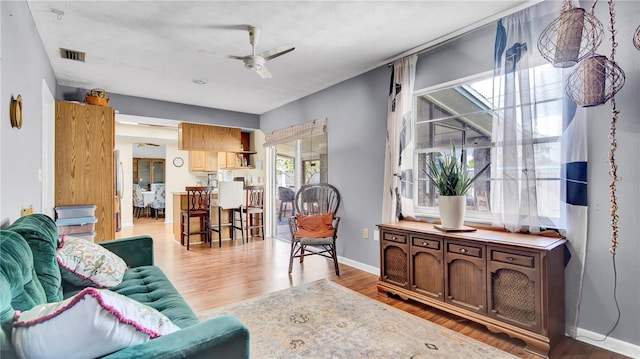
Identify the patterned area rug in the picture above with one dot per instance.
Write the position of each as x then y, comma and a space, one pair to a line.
325, 320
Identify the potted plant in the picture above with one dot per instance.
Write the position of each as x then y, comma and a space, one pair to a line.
452, 179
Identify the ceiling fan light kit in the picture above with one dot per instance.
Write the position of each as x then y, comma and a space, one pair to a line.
256, 62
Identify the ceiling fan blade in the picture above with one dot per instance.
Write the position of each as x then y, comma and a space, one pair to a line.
263, 72
212, 53
277, 51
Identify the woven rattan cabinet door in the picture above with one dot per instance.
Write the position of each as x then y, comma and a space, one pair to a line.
394, 252
427, 276
514, 287
465, 279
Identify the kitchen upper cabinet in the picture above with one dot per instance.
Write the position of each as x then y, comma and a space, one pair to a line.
206, 161
196, 137
203, 161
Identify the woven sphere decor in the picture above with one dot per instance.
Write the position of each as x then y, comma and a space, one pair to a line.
594, 81
636, 38
571, 37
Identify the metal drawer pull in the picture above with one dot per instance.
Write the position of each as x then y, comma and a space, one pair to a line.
394, 238
463, 250
510, 259
425, 244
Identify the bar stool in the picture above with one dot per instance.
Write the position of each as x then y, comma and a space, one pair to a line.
254, 209
198, 206
229, 198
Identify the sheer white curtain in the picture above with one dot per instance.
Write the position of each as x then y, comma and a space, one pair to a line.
397, 200
514, 194
514, 198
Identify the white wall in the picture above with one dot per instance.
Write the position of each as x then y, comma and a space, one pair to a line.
176, 178
24, 66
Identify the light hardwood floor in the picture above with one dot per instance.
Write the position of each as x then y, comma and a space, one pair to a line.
211, 277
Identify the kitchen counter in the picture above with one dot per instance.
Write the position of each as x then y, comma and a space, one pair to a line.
180, 203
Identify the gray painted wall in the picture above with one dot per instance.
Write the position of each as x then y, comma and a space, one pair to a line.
24, 66
356, 113
138, 106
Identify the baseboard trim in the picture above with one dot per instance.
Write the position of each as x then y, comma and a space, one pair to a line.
611, 344
358, 265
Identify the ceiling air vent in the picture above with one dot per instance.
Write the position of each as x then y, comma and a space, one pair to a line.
72, 55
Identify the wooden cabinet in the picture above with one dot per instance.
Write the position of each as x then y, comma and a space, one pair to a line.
85, 172
394, 260
465, 275
147, 171
427, 276
198, 137
511, 283
203, 161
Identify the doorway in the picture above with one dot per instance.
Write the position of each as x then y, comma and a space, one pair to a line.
296, 163
148, 177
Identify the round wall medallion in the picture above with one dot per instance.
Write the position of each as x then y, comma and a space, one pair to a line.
178, 161
15, 110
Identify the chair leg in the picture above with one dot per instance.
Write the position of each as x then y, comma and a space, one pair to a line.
242, 227
335, 258
280, 211
293, 248
219, 227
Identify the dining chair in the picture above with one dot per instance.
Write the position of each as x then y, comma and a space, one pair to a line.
198, 206
314, 228
286, 195
158, 203
230, 197
138, 200
254, 210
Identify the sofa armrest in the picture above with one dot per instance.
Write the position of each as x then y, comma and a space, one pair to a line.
220, 337
135, 251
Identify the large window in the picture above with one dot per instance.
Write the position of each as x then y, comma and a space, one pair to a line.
462, 114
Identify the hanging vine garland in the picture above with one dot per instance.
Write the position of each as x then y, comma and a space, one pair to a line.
614, 144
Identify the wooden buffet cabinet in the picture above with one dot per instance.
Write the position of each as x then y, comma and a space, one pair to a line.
511, 283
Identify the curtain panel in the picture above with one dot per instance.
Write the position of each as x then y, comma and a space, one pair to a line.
308, 129
397, 200
516, 196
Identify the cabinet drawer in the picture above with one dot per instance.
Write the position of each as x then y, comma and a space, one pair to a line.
426, 243
517, 259
394, 237
464, 249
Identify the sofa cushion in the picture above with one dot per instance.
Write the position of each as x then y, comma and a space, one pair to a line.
86, 263
41, 234
148, 285
20, 288
98, 321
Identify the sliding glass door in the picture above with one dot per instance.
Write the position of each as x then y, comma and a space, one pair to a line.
296, 163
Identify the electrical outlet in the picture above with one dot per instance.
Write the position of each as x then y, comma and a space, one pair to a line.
376, 235
365, 233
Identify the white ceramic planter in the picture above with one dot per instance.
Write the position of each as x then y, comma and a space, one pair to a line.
452, 210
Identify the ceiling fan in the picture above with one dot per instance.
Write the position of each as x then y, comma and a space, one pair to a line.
255, 61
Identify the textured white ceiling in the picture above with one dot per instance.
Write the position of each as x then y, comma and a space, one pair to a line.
150, 48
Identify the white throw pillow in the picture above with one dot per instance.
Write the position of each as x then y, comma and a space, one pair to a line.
93, 323
85, 263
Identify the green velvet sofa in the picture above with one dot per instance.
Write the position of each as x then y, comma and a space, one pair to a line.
30, 275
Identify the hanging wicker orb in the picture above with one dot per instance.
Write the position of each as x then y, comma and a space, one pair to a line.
636, 38
594, 81
571, 37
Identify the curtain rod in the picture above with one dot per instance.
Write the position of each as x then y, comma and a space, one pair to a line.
448, 38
